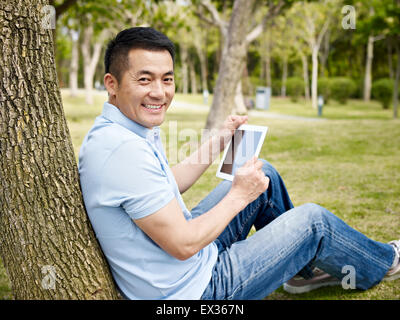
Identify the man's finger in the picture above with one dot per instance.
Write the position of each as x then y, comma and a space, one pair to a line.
258, 164
251, 161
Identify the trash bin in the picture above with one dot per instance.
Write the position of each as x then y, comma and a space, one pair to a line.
263, 95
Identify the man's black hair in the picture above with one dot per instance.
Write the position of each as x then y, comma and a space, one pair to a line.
116, 56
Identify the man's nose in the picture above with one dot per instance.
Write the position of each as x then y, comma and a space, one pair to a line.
157, 90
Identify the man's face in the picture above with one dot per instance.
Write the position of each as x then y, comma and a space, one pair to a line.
147, 87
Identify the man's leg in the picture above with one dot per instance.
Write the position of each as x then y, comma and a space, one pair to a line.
253, 268
269, 205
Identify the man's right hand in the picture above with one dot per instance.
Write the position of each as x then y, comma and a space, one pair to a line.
249, 181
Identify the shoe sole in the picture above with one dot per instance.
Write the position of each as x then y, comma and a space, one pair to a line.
307, 288
393, 277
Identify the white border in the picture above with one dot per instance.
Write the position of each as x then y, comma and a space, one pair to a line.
246, 127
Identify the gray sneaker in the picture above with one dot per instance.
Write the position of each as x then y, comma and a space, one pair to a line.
320, 279
394, 272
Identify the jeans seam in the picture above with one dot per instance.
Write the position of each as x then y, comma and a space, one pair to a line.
345, 242
272, 206
245, 222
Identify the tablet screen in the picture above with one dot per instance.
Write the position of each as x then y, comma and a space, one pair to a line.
242, 148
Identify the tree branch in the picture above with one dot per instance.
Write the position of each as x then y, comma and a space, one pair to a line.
323, 30
379, 37
205, 19
215, 16
273, 11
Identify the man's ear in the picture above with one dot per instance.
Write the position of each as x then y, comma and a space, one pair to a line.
111, 84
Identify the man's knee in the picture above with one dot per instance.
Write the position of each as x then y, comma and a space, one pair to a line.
268, 169
314, 212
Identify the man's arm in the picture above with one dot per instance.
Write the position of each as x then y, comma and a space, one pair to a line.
181, 238
188, 171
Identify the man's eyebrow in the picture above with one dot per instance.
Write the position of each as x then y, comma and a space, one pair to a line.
142, 72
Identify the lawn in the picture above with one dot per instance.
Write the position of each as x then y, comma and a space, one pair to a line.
349, 164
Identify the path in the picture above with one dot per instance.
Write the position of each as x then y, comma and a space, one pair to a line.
252, 113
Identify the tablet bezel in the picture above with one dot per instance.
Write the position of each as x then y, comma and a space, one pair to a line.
245, 127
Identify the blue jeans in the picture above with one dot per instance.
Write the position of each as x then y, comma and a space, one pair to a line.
288, 241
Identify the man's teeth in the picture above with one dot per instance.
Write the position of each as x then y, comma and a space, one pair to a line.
150, 106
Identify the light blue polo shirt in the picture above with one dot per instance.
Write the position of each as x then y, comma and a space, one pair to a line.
125, 175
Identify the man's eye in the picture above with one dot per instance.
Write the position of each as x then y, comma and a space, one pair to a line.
169, 79
144, 79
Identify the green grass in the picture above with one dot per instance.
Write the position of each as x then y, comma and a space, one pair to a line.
349, 164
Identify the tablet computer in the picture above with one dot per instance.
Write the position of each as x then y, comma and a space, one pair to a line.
246, 142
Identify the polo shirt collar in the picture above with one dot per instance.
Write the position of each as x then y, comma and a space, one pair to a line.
112, 113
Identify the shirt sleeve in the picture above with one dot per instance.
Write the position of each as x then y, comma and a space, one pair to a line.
134, 179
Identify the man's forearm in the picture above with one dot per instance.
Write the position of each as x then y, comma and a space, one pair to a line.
207, 227
189, 170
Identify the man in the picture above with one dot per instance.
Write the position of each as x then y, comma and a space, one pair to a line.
155, 246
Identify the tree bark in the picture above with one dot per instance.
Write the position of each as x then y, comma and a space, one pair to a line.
46, 241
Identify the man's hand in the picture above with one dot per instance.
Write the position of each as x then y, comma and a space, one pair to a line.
249, 181
229, 126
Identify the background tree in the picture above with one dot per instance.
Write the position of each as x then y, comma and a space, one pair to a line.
238, 33
47, 244
314, 19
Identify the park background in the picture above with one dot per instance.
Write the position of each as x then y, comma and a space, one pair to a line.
345, 158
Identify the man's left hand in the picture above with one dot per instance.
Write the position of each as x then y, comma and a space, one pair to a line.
229, 126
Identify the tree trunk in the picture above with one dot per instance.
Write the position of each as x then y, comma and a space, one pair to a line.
284, 76
90, 61
324, 54
390, 57
305, 76
232, 63
314, 79
203, 69
184, 63
73, 72
193, 82
268, 63
202, 54
239, 107
47, 244
368, 68
396, 79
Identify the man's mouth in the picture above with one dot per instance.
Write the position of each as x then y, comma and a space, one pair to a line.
153, 106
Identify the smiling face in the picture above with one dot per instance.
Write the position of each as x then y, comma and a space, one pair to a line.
146, 89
